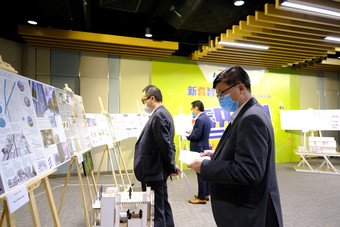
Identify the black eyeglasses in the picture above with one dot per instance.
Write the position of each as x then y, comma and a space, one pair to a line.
143, 100
220, 95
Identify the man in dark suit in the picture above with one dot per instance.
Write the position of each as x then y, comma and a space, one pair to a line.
199, 141
244, 190
154, 157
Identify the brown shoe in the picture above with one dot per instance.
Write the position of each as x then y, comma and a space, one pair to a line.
197, 201
206, 197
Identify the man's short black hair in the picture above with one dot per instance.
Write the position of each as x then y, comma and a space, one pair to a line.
233, 76
198, 104
152, 90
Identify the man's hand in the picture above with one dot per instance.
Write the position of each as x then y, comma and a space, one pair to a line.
196, 164
207, 153
177, 172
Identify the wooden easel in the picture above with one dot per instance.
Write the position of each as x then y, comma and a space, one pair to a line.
31, 185
74, 160
116, 148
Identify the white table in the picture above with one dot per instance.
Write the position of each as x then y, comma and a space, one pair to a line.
325, 167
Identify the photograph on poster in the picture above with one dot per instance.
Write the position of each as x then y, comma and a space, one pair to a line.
44, 99
27, 101
21, 175
48, 137
63, 150
16, 145
41, 165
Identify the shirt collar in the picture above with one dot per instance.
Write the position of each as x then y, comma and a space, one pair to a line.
234, 115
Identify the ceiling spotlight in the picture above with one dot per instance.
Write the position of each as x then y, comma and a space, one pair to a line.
33, 22
238, 2
148, 33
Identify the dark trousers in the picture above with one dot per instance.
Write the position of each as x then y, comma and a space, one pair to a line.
163, 213
203, 187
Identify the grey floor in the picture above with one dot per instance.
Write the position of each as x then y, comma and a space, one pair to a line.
308, 199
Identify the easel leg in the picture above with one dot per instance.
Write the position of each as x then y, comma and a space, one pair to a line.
34, 209
6, 214
51, 202
112, 169
86, 213
65, 186
89, 187
124, 165
94, 183
106, 149
118, 165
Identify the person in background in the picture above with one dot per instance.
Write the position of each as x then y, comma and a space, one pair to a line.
199, 141
154, 158
244, 189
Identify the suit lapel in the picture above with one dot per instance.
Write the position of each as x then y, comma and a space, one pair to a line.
222, 141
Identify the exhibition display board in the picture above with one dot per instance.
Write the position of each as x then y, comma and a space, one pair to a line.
325, 147
43, 127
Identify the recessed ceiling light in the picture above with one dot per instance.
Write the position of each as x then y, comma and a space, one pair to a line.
238, 2
148, 33
245, 45
33, 22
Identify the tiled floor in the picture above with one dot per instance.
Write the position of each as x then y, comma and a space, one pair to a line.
308, 199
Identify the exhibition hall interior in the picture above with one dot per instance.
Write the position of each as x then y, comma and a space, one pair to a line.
74, 115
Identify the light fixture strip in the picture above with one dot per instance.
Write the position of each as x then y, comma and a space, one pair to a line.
333, 38
244, 45
311, 8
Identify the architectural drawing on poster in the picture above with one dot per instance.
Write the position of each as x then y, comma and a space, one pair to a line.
22, 153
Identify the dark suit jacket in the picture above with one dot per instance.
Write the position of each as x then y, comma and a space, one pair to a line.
155, 149
199, 137
242, 171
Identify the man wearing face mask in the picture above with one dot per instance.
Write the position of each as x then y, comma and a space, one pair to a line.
199, 141
244, 190
154, 158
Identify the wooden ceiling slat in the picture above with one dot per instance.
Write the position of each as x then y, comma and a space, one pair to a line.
240, 63
250, 56
289, 39
276, 45
249, 59
271, 10
304, 31
125, 53
271, 51
57, 43
85, 41
266, 31
260, 16
294, 39
274, 56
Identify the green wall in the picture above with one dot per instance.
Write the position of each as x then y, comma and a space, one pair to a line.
275, 88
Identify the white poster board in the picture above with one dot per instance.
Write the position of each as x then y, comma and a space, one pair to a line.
310, 120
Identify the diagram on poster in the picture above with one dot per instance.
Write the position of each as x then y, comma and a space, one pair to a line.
98, 127
71, 110
123, 126
49, 122
22, 153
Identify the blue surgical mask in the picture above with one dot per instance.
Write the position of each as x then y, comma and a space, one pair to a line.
193, 114
228, 104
